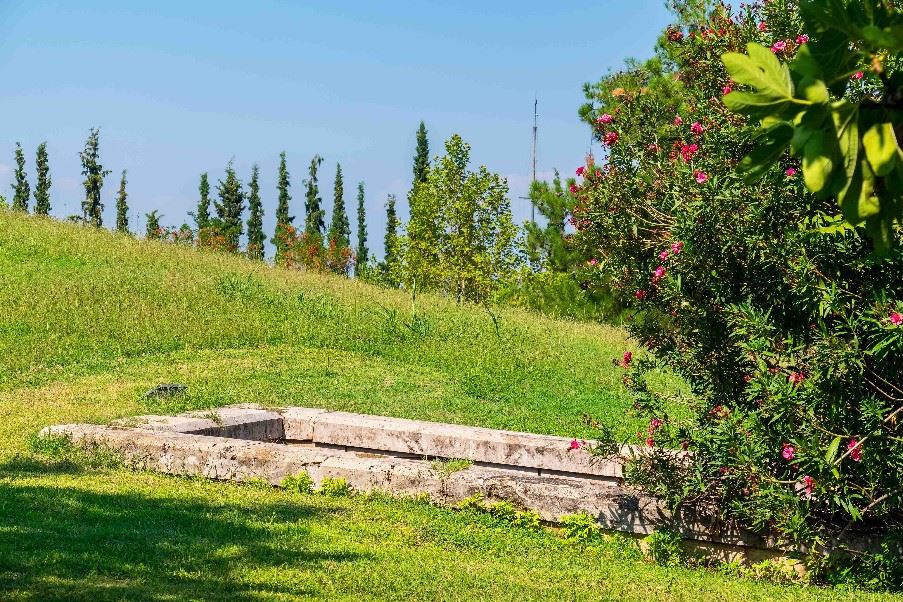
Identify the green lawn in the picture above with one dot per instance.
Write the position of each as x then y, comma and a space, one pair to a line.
90, 320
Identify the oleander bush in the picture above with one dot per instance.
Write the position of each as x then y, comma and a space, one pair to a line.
788, 327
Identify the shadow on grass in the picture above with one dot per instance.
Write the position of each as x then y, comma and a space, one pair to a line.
71, 543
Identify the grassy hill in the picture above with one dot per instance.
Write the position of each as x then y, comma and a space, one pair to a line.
90, 320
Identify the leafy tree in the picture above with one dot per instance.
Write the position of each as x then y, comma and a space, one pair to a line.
92, 207
283, 218
21, 189
362, 252
256, 237
122, 208
314, 225
42, 186
229, 209
819, 103
153, 230
422, 155
202, 214
461, 238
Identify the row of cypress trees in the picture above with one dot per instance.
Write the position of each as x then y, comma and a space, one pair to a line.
220, 221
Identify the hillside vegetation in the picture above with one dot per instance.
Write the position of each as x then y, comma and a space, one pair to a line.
90, 320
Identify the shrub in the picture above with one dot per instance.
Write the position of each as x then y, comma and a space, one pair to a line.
666, 548
581, 528
790, 331
337, 487
299, 483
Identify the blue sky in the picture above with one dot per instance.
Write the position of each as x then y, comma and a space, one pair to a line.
181, 87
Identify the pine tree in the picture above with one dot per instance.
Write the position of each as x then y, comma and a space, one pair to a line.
255, 220
42, 186
202, 215
361, 255
122, 208
92, 208
422, 155
21, 189
547, 246
229, 208
314, 225
283, 218
340, 227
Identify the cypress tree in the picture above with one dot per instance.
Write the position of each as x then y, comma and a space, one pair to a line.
122, 208
202, 215
42, 186
340, 227
92, 208
22, 191
362, 251
390, 261
230, 207
314, 224
422, 155
255, 220
283, 218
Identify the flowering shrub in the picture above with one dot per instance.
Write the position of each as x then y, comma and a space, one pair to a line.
785, 329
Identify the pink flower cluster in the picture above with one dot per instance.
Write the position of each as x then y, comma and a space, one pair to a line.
788, 452
855, 450
791, 171
779, 46
697, 128
626, 359
896, 318
610, 138
687, 151
808, 483
700, 176
796, 378
605, 119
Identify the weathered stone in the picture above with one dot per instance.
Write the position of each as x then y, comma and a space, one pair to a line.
420, 438
235, 422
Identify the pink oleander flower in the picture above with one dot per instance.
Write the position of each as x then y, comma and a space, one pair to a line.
896, 318
779, 46
763, 26
855, 450
796, 378
650, 442
640, 295
581, 170
788, 452
697, 128
802, 39
605, 118
659, 272
610, 138
574, 189
858, 75
663, 256
678, 120
688, 151
593, 261
726, 90
574, 445
656, 423
791, 171
625, 361
809, 483
701, 176
677, 247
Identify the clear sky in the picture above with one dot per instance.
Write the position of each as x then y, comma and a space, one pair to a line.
179, 88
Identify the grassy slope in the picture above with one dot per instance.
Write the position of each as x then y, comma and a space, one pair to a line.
91, 320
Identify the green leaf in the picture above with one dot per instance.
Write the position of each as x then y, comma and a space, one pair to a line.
857, 201
760, 70
814, 90
754, 105
881, 148
832, 450
771, 145
846, 124
818, 161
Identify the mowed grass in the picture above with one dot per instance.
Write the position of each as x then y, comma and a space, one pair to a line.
90, 320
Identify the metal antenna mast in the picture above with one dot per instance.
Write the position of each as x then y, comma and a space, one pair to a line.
535, 129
